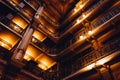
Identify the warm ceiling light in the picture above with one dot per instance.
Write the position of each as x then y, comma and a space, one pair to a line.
34, 40
79, 3
45, 62
19, 22
75, 10
77, 21
81, 6
90, 32
83, 15
101, 62
31, 53
26, 57
8, 39
15, 27
39, 36
81, 37
91, 66
42, 66
3, 44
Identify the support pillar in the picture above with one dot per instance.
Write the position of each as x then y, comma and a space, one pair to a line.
109, 71
20, 51
100, 74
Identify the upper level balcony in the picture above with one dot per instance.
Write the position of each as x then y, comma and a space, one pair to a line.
96, 26
94, 58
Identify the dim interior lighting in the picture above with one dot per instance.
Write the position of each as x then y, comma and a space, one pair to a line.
5, 44
19, 22
90, 32
83, 15
45, 62
34, 40
15, 27
42, 66
101, 62
81, 37
75, 10
78, 21
26, 57
81, 6
97, 63
91, 66
39, 36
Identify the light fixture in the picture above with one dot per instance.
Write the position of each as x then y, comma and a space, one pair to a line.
101, 61
91, 66
15, 27
83, 15
90, 32
75, 10
26, 57
44, 67
5, 44
34, 40
19, 22
81, 6
45, 62
77, 21
38, 36
81, 37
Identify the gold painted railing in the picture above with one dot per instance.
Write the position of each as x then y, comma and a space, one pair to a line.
99, 21
95, 55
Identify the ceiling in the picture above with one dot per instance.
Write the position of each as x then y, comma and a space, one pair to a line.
50, 34
56, 20
61, 21
55, 17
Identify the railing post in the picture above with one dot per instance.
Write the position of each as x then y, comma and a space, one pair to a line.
109, 71
99, 73
19, 53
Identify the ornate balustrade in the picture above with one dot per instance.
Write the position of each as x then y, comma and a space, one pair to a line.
95, 24
95, 55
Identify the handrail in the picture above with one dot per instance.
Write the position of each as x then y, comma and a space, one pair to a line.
109, 50
105, 22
